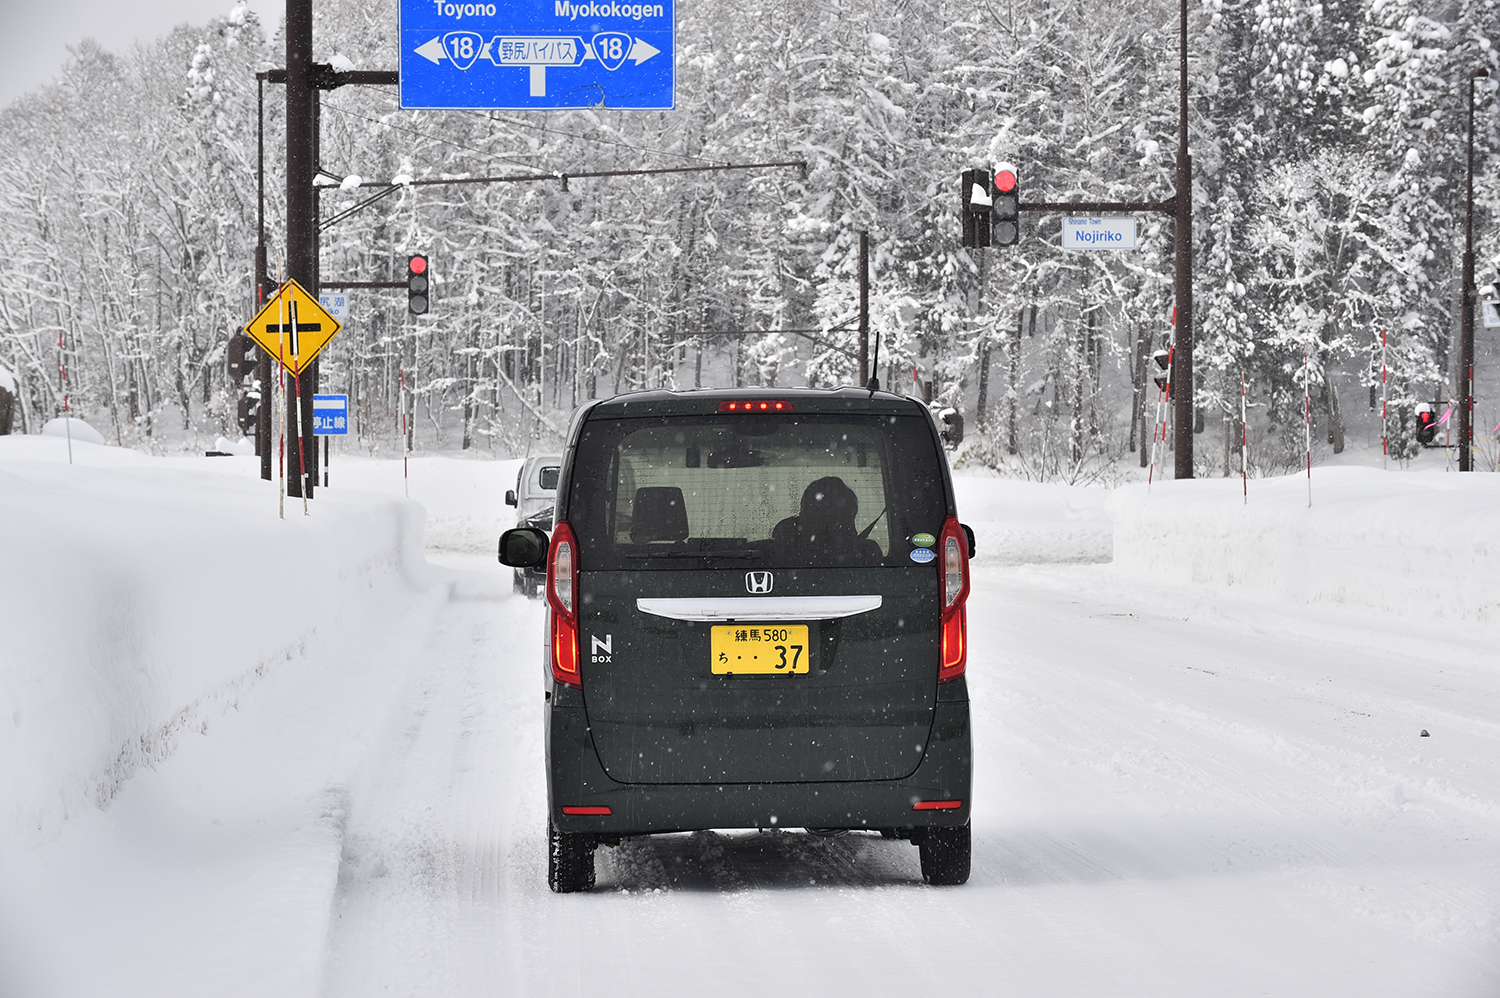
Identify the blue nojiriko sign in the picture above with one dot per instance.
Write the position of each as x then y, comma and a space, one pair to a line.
330, 415
528, 54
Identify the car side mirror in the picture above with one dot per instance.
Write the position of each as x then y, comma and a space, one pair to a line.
510, 497
523, 547
969, 533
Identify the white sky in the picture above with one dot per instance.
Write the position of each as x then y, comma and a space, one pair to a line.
35, 34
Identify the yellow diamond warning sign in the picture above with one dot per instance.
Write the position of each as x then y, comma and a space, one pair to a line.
292, 327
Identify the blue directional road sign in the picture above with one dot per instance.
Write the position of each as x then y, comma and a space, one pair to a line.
330, 415
530, 54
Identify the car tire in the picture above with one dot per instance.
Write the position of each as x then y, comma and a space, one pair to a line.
570, 861
945, 856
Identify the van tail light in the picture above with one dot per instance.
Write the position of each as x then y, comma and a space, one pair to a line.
756, 405
953, 568
562, 597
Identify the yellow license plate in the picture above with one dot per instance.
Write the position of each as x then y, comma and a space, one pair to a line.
746, 649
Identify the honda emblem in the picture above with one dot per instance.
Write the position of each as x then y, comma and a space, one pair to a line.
758, 582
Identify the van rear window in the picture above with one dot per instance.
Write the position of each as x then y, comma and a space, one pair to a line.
779, 490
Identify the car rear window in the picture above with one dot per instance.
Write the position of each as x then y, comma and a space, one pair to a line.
547, 478
784, 489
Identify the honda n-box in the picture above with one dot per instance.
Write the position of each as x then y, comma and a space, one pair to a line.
755, 619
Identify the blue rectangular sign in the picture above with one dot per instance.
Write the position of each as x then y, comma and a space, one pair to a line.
533, 54
330, 415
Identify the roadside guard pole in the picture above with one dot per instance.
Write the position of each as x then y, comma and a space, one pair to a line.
62, 383
405, 442
302, 433
1244, 442
1385, 419
1307, 412
281, 401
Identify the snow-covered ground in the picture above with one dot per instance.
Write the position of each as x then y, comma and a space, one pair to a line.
246, 757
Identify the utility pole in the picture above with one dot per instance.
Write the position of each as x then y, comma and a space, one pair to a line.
864, 308
1470, 298
301, 216
263, 366
1182, 356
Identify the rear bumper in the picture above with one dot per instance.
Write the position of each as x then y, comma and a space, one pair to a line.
575, 778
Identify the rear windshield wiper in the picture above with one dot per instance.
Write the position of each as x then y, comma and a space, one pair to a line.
678, 553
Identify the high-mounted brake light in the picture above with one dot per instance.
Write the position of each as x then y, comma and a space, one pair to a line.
562, 597
953, 575
926, 805
756, 405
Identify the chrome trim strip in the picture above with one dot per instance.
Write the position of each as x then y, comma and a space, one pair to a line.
784, 608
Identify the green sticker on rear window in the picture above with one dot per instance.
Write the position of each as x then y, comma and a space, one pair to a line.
923, 540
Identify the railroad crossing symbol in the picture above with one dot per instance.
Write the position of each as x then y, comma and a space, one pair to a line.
292, 327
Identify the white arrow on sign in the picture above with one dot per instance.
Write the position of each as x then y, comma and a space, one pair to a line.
641, 51
433, 51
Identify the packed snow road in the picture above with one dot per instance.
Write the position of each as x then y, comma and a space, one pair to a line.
1173, 796
223, 776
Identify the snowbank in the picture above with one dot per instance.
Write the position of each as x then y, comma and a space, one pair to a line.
72, 426
1418, 545
1020, 523
464, 497
140, 595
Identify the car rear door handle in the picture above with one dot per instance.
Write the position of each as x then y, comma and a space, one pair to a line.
759, 607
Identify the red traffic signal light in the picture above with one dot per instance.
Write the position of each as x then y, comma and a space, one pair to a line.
417, 284
1005, 213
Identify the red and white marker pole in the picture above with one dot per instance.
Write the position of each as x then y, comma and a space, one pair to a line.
1307, 412
1244, 443
62, 384
301, 432
405, 442
1385, 423
281, 393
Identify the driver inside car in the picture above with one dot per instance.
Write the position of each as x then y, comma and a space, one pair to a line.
824, 532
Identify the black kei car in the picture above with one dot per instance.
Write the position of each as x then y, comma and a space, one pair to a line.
755, 620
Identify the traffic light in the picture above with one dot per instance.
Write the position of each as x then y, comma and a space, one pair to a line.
248, 413
1005, 213
1427, 423
1163, 373
241, 357
974, 207
417, 283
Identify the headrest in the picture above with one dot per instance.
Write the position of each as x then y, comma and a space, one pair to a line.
658, 515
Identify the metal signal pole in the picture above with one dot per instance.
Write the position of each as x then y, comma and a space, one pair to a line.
1180, 207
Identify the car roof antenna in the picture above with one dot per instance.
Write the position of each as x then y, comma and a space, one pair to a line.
874, 384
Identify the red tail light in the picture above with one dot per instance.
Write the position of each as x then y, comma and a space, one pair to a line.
926, 805
562, 597
953, 577
756, 405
